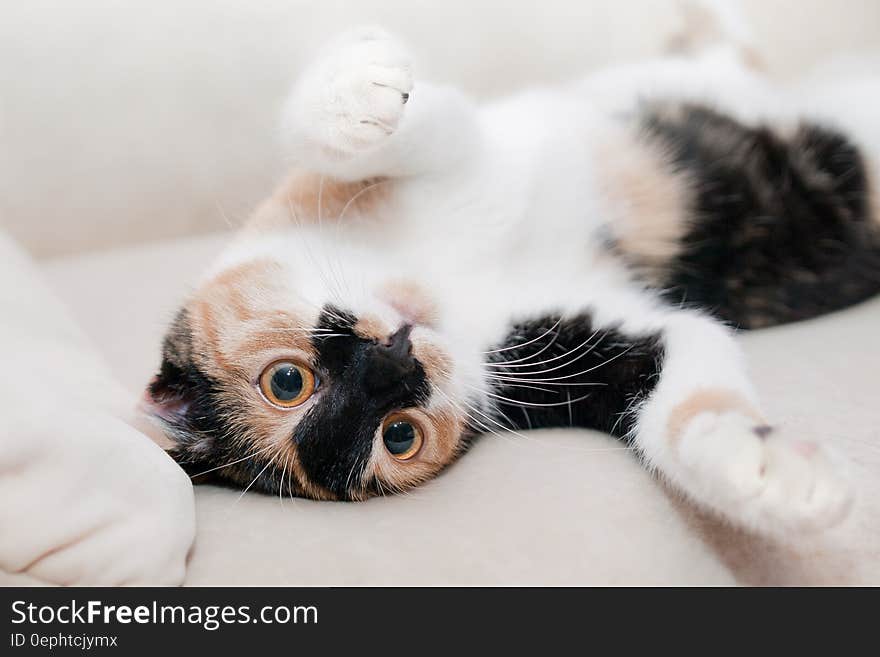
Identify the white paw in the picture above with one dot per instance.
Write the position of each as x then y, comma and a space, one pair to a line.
354, 96
761, 477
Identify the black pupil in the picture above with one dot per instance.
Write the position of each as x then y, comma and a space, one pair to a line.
399, 437
287, 383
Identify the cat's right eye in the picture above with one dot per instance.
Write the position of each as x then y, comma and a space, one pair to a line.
287, 384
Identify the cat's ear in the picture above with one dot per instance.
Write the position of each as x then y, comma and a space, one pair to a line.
175, 395
169, 401
171, 393
168, 398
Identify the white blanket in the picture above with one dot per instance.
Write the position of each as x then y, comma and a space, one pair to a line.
84, 497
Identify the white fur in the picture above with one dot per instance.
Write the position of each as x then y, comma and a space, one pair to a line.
496, 212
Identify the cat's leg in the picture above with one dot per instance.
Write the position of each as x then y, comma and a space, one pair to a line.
711, 59
356, 113
702, 428
715, 24
672, 383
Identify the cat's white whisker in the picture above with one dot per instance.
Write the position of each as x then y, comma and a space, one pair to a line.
524, 360
306, 243
583, 372
525, 344
281, 481
511, 364
524, 386
357, 195
520, 403
465, 412
508, 430
508, 433
334, 272
219, 467
278, 329
290, 479
260, 474
570, 352
226, 218
350, 475
507, 379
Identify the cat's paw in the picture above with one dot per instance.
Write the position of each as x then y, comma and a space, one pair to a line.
354, 96
761, 477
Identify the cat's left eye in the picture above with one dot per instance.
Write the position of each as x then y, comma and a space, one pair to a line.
287, 384
402, 436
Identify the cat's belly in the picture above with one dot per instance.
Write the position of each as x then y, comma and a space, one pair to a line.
529, 208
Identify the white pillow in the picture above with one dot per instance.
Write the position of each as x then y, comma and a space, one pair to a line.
86, 498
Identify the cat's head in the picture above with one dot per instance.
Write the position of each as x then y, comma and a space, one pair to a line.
272, 380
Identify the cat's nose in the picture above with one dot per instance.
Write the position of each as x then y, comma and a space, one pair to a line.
398, 345
392, 359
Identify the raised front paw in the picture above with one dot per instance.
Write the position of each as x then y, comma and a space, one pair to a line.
761, 477
353, 97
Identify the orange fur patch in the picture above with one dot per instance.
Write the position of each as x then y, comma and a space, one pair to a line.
449, 426
234, 317
710, 400
309, 198
442, 444
649, 201
435, 361
238, 328
410, 300
372, 328
753, 60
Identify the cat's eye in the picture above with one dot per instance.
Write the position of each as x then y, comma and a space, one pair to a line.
287, 384
402, 436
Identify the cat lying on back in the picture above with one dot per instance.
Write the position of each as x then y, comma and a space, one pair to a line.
434, 270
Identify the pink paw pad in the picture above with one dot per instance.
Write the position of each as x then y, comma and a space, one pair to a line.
804, 448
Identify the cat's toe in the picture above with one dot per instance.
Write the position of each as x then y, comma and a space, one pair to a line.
761, 478
356, 95
804, 489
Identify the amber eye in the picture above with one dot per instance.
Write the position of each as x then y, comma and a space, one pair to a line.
402, 437
287, 384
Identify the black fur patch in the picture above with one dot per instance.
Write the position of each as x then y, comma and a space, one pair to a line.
554, 372
194, 415
335, 439
185, 391
362, 381
780, 229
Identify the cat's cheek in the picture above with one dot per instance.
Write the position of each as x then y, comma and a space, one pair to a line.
434, 359
442, 443
396, 475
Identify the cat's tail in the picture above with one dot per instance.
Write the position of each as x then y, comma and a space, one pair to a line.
781, 226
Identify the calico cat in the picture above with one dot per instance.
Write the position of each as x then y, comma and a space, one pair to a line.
433, 270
